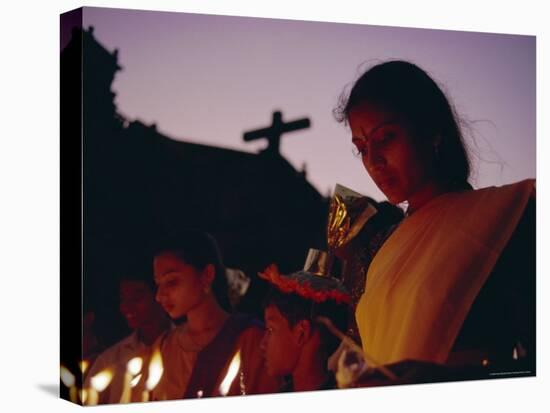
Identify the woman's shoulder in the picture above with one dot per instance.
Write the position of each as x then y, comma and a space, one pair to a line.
525, 188
505, 202
503, 312
170, 337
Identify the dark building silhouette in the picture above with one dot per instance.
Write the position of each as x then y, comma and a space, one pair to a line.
139, 185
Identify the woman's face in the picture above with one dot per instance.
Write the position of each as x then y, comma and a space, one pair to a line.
399, 164
181, 287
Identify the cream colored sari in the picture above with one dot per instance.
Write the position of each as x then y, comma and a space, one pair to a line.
424, 279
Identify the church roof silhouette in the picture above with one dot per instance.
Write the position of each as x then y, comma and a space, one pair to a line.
139, 185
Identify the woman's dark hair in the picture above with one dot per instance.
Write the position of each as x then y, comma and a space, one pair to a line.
296, 308
198, 249
408, 91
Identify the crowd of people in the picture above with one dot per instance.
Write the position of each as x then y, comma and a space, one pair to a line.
443, 290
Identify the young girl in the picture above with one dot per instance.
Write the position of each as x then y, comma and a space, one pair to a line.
196, 355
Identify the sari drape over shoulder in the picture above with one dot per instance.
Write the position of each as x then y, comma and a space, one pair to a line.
423, 281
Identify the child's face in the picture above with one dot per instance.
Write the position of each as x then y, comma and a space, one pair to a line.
279, 344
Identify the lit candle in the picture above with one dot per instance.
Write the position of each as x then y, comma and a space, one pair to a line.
99, 383
133, 367
155, 373
83, 395
68, 380
231, 373
84, 364
126, 389
241, 383
135, 381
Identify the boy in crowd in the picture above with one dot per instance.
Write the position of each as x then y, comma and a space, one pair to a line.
147, 320
295, 345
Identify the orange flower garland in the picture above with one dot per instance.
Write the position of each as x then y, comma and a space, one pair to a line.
304, 288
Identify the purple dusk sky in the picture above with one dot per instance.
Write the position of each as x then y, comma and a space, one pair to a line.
207, 79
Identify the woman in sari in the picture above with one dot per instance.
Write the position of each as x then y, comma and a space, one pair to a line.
196, 355
454, 284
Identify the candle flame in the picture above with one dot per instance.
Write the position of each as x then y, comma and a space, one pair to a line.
515, 353
83, 395
231, 373
84, 364
135, 380
101, 380
67, 377
155, 370
134, 366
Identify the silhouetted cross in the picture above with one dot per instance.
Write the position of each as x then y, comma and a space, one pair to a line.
274, 132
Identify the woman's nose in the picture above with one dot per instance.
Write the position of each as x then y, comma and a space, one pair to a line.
158, 295
374, 159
